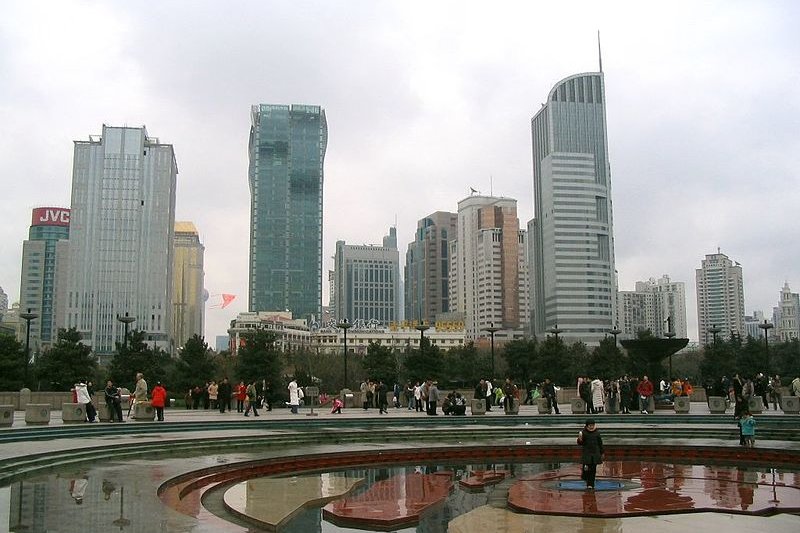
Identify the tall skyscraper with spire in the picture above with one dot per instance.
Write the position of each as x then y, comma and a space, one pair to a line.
573, 281
287, 154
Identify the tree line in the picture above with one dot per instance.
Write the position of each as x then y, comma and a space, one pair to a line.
258, 359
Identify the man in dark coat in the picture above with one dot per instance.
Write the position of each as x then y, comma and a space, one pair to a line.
549, 392
592, 455
224, 394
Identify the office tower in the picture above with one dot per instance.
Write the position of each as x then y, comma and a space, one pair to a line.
3, 303
786, 319
653, 305
222, 343
121, 238
573, 276
751, 328
187, 284
367, 282
287, 153
720, 297
487, 272
41, 267
427, 293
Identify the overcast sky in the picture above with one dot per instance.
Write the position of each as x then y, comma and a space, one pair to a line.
424, 100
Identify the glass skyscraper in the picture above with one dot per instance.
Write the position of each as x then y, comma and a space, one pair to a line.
287, 155
121, 238
573, 277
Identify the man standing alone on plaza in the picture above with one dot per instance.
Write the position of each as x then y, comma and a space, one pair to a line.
433, 397
549, 392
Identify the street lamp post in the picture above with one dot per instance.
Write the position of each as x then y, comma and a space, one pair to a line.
127, 320
422, 328
555, 331
345, 325
27, 317
616, 331
714, 330
492, 329
766, 326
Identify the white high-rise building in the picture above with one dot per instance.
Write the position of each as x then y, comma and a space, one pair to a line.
655, 305
121, 238
720, 297
573, 280
489, 268
786, 319
367, 282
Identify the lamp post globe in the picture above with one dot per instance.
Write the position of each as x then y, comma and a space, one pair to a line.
616, 331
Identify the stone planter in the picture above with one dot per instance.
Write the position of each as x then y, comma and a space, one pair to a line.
478, 407
73, 413
754, 404
143, 412
512, 408
717, 405
37, 413
790, 404
578, 406
6, 415
543, 406
681, 404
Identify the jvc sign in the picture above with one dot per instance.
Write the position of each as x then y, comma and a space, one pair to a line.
50, 216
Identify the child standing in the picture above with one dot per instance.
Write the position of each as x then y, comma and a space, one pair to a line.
748, 425
592, 455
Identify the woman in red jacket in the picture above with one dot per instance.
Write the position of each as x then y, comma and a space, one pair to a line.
241, 396
158, 398
645, 390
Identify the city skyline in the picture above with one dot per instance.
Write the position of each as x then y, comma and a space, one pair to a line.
701, 119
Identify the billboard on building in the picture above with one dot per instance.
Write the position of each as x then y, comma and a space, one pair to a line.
50, 216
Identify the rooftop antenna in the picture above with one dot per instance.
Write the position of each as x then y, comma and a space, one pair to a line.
491, 185
599, 52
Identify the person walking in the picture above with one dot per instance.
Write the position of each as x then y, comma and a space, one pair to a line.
776, 391
158, 399
252, 399
592, 453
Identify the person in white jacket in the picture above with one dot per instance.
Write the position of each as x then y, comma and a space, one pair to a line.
82, 397
598, 396
294, 397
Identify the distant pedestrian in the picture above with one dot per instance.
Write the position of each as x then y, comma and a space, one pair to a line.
158, 400
592, 454
252, 399
224, 394
83, 398
294, 396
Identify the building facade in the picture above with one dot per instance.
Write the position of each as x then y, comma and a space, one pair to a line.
427, 268
287, 155
121, 238
720, 297
187, 284
3, 303
658, 305
42, 267
573, 275
786, 319
367, 282
488, 280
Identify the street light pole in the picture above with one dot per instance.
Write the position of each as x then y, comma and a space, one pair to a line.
492, 329
422, 328
127, 320
27, 317
345, 325
766, 326
555, 331
616, 331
